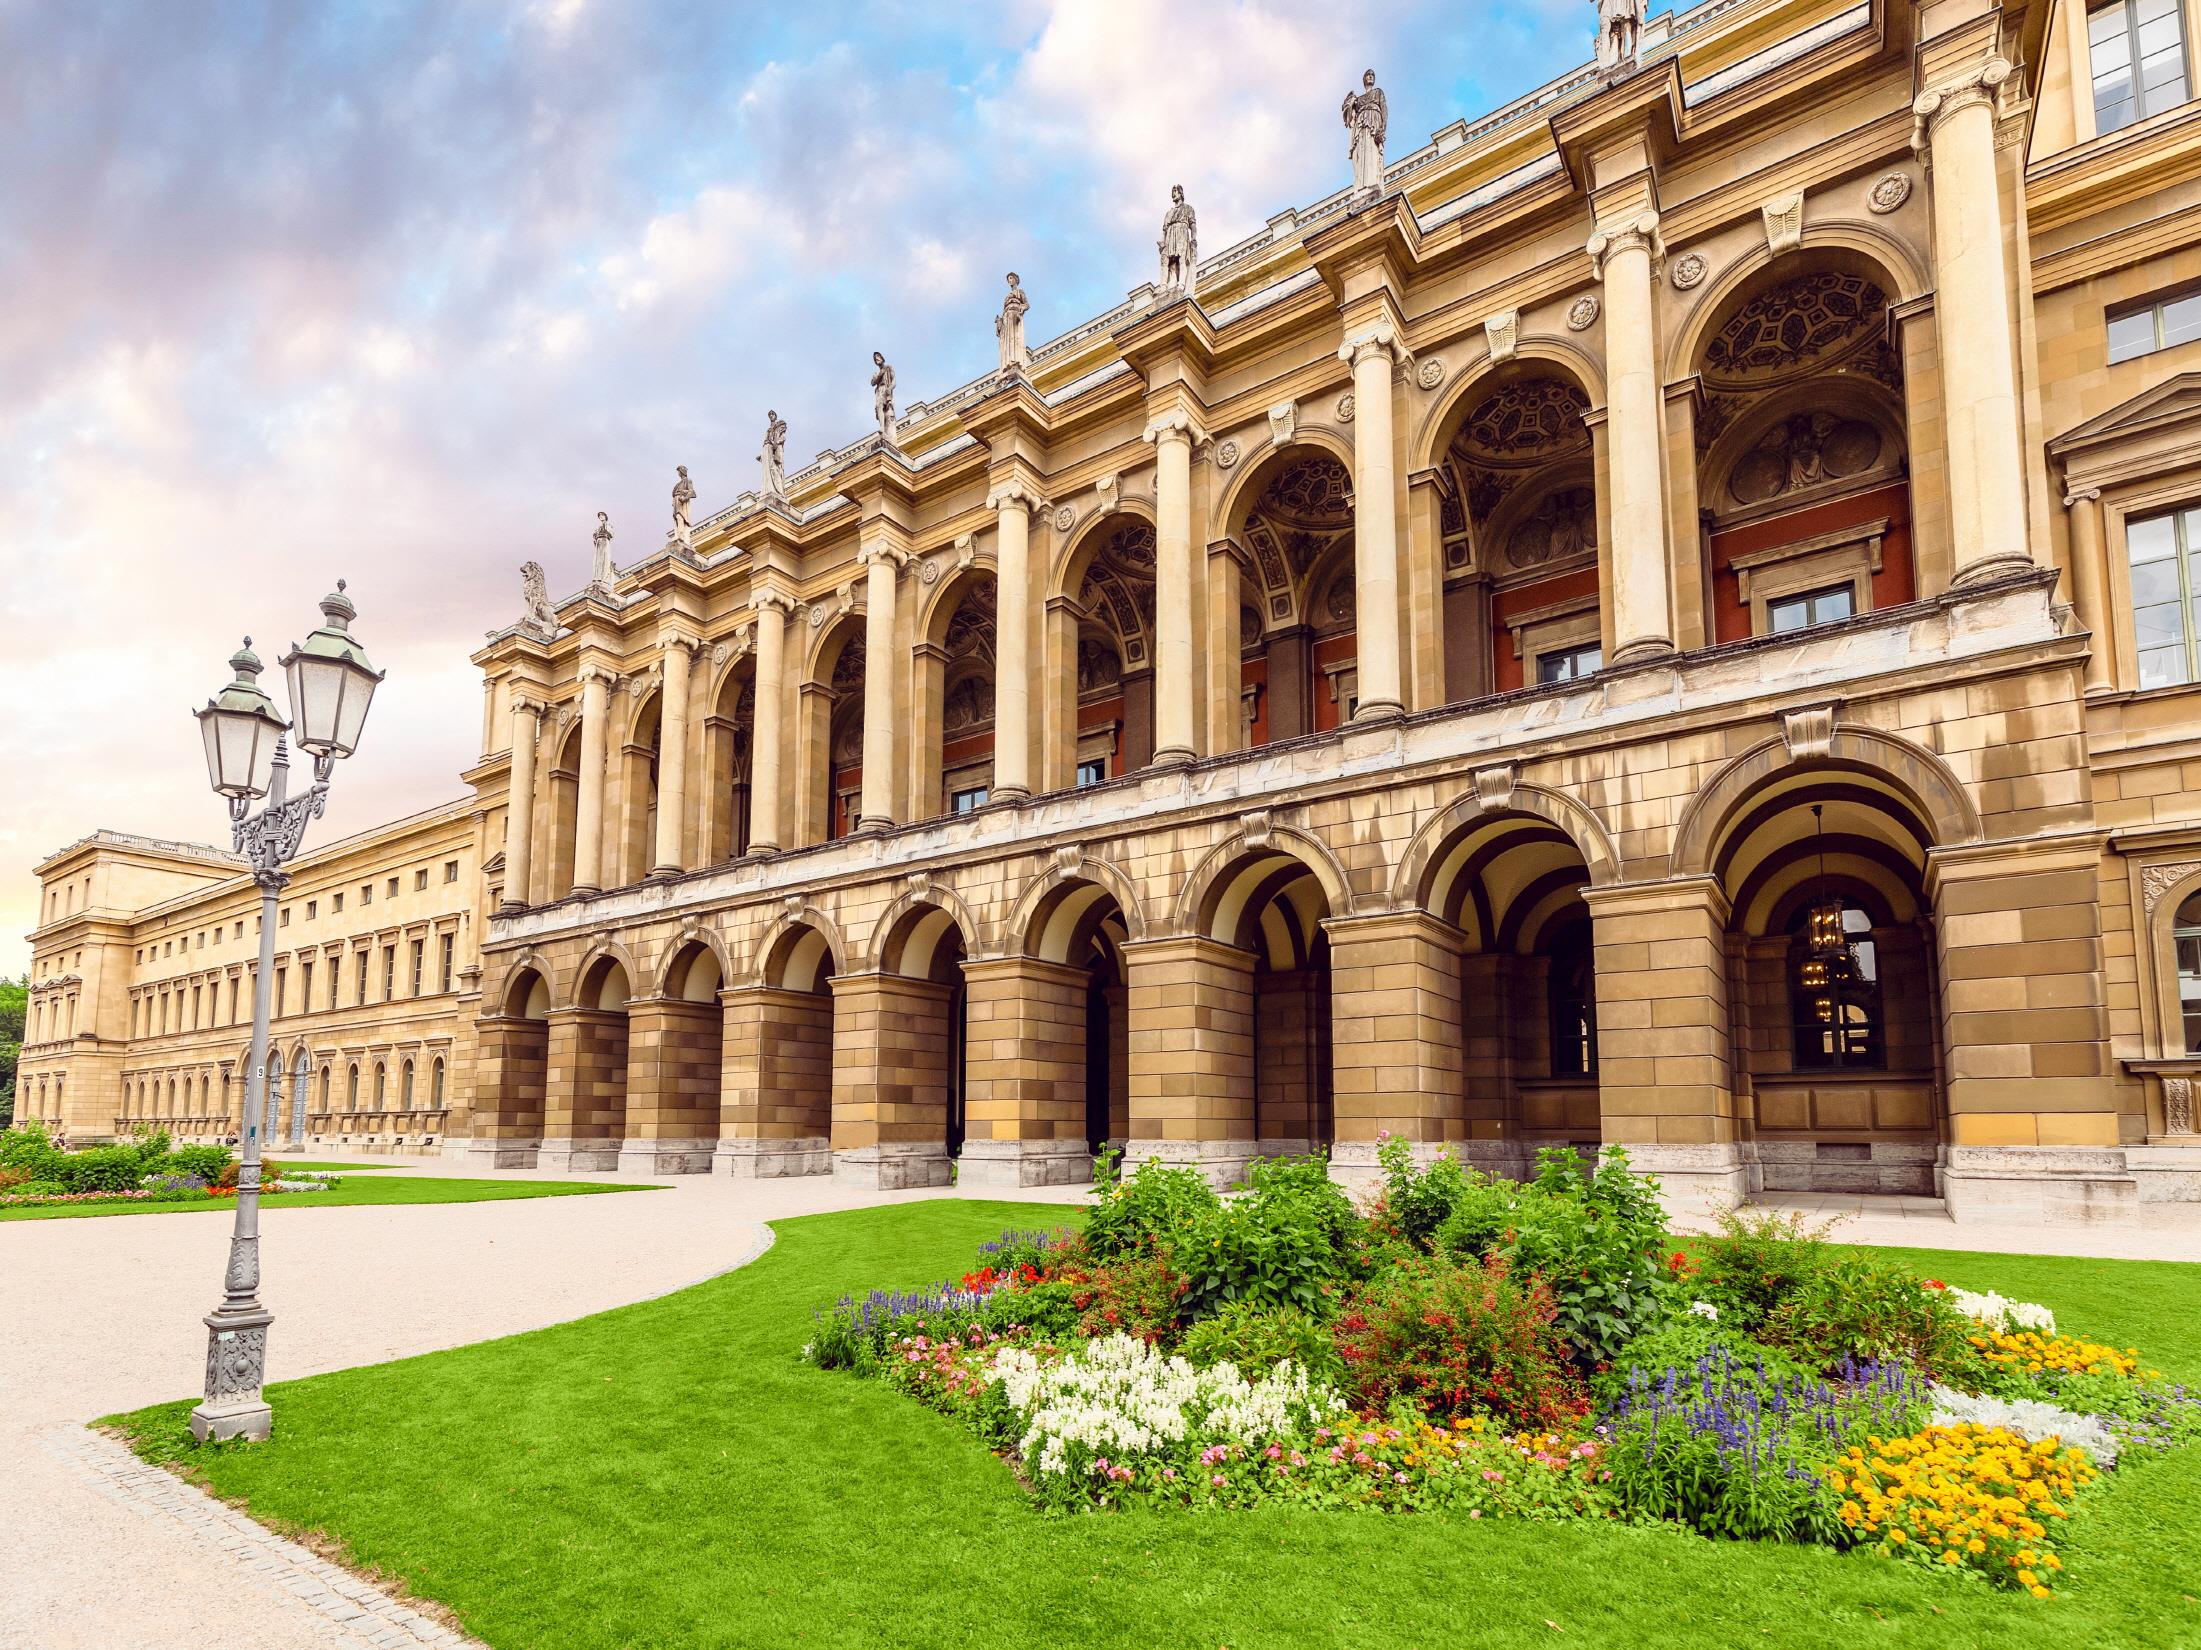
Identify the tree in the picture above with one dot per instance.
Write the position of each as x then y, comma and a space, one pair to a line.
15, 996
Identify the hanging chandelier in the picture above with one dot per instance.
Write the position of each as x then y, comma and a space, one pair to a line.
1830, 971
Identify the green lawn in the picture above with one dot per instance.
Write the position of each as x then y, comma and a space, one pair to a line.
671, 1475
390, 1189
347, 1165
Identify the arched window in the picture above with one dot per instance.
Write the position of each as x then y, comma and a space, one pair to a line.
1574, 1004
2185, 938
381, 1084
405, 1088
351, 1090
326, 1076
435, 1082
1834, 988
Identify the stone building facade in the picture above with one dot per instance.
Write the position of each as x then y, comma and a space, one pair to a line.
1671, 622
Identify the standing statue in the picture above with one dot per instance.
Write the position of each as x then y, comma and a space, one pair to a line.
682, 533
882, 397
1619, 30
605, 573
1367, 118
539, 619
1009, 327
1180, 244
774, 456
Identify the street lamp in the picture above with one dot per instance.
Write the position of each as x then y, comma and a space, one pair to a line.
331, 685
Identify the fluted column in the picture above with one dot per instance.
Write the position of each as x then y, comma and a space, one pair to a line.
1954, 128
1173, 434
1372, 356
882, 573
1013, 507
588, 831
1643, 625
766, 729
2089, 591
672, 755
519, 808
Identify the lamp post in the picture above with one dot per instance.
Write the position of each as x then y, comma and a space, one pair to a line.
331, 685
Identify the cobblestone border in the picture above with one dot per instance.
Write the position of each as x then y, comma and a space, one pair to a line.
362, 1613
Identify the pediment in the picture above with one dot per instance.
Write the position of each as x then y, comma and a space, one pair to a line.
2160, 409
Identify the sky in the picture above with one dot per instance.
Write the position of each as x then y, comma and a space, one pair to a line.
405, 293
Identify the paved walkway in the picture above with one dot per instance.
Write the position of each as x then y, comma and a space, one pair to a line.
100, 1554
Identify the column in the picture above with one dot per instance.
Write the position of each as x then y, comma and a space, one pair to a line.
882, 570
1397, 1036
766, 730
1665, 1092
2089, 587
1013, 506
776, 1093
890, 1081
673, 1067
1191, 1054
588, 833
1375, 524
519, 807
1642, 618
1954, 126
584, 1089
672, 755
1024, 1071
1173, 434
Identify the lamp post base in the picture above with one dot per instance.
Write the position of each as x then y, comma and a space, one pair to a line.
233, 1418
236, 1365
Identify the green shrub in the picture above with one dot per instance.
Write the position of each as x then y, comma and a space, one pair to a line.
1755, 1262
1275, 1251
1304, 1182
207, 1162
1256, 1337
1135, 1212
1874, 1309
1048, 1310
102, 1169
1685, 1342
1136, 1295
1418, 1201
1456, 1339
38, 1188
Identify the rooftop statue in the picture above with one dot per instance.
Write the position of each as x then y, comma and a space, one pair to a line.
1179, 245
774, 456
603, 575
1367, 118
1009, 327
882, 397
683, 532
1619, 30
537, 619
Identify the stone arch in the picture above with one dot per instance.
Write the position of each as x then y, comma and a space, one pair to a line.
644, 721
1258, 464
781, 947
912, 926
590, 966
1914, 773
1032, 920
740, 659
530, 960
1075, 549
826, 640
680, 954
1863, 248
1411, 885
1221, 874
1859, 397
941, 598
1433, 434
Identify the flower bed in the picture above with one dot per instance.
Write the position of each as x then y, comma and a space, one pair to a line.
148, 1168
1475, 1347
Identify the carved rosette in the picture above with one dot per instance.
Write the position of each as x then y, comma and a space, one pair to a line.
1226, 454
1065, 518
1345, 405
1430, 373
1689, 271
1890, 192
1582, 313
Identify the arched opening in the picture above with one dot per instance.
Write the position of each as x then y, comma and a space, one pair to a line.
564, 816
678, 1047
2185, 936
1520, 524
1080, 926
923, 1067
511, 1071
1296, 597
636, 841
1512, 884
585, 1096
1803, 471
728, 736
832, 734
1833, 985
1270, 906
1109, 623
776, 1118
955, 698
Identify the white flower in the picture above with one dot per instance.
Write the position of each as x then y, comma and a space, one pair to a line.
2029, 1418
2001, 1312
1705, 1309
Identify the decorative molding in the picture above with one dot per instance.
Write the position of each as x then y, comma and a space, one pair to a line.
1175, 422
1345, 406
1254, 826
1890, 192
1969, 88
2081, 495
1784, 222
1283, 423
1640, 231
1226, 454
2158, 880
1689, 271
1503, 334
1065, 518
2178, 1105
1582, 313
1494, 786
1808, 733
1430, 373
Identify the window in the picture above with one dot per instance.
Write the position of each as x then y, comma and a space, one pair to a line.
336, 978
2163, 323
1570, 664
240, 934
450, 870
305, 988
1094, 772
366, 894
313, 909
359, 997
1835, 1001
1574, 1004
1810, 607
2160, 552
443, 969
336, 904
381, 1085
2185, 938
352, 1090
282, 979
392, 889
435, 1082
417, 972
405, 1088
2136, 51
284, 921
389, 973
420, 880
202, 939
967, 801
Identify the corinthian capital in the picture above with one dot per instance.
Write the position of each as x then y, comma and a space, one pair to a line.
1640, 231
1971, 87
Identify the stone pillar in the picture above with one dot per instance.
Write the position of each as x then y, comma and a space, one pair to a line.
1224, 709
882, 569
588, 834
519, 807
1373, 355
1013, 506
673, 1067
1954, 128
2089, 584
1059, 715
585, 1091
1024, 1074
890, 1081
768, 732
1396, 1034
1191, 1054
776, 1096
1175, 699
1666, 1092
672, 756
1642, 617
2032, 1107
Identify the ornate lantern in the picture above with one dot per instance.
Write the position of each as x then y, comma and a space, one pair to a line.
241, 730
331, 682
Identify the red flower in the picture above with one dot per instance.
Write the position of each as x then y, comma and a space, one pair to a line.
1935, 1283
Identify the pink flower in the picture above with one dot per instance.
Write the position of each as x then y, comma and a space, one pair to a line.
1398, 1478
1169, 1472
1490, 1476
1217, 1480
1298, 1460
1360, 1458
1273, 1453
1474, 1512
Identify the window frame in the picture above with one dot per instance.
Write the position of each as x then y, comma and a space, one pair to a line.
2156, 310
2135, 63
1573, 653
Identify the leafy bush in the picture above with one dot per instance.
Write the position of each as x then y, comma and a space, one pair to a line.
1304, 1183
206, 1162
39, 1188
22, 1145
1048, 1309
1875, 1309
1418, 1201
1755, 1262
1456, 1339
1280, 1246
1256, 1337
1688, 1341
1135, 1212
102, 1169
1138, 1295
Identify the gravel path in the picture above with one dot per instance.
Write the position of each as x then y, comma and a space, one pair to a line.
101, 1554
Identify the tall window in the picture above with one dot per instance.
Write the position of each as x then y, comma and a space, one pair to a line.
351, 1089
443, 967
2186, 939
2160, 323
389, 973
305, 987
435, 1082
1574, 1005
418, 964
2162, 551
2137, 53
359, 998
1835, 1000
